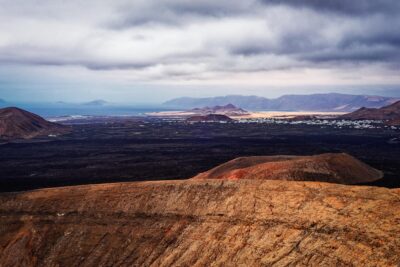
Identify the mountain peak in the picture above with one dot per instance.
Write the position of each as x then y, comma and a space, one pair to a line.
395, 105
18, 123
386, 113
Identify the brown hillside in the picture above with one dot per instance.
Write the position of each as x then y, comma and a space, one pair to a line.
394, 122
201, 223
335, 168
387, 113
17, 123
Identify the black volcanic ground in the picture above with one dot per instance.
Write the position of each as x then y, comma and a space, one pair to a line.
154, 150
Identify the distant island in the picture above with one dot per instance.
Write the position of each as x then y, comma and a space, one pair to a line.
332, 102
96, 103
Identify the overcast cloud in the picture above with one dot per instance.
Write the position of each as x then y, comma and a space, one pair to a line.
207, 42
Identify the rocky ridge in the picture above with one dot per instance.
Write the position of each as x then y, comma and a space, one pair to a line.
201, 223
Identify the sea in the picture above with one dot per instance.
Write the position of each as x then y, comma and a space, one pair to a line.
62, 110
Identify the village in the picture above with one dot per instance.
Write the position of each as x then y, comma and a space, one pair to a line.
336, 123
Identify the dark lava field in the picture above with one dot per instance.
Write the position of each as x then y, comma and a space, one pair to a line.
150, 149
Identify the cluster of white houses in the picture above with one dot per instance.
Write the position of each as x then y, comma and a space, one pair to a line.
356, 124
336, 123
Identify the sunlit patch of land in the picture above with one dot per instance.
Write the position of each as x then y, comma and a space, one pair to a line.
253, 115
288, 114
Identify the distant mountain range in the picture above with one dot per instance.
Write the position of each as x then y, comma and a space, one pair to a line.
315, 102
390, 114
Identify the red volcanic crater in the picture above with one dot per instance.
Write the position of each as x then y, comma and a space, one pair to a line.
334, 167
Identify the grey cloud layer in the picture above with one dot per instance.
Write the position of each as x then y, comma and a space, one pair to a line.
200, 38
349, 7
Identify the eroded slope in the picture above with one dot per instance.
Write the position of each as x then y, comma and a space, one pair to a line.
201, 223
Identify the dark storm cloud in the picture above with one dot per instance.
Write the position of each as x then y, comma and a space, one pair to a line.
115, 66
389, 38
182, 37
288, 44
53, 58
354, 56
349, 7
370, 33
351, 50
88, 64
377, 43
172, 12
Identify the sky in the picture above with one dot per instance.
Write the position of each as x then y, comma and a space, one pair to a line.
146, 51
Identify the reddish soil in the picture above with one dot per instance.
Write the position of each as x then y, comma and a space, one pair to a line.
331, 167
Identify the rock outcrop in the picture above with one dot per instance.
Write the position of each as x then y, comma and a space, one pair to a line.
17, 123
201, 223
331, 167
